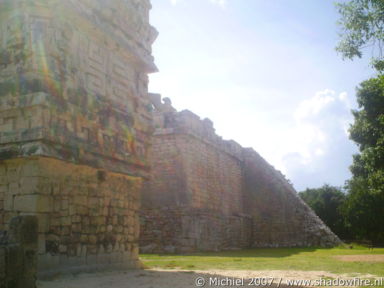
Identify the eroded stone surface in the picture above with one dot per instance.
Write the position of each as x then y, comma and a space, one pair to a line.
73, 81
85, 221
74, 126
206, 193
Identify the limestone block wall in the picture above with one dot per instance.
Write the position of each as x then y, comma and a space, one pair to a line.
193, 200
18, 250
73, 81
183, 230
280, 217
194, 173
207, 193
193, 166
88, 218
74, 126
167, 185
213, 176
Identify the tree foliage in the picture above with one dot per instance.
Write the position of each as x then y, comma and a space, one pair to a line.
362, 26
328, 203
368, 132
363, 211
362, 23
365, 204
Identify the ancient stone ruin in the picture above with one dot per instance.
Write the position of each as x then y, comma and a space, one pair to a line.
75, 130
75, 125
206, 193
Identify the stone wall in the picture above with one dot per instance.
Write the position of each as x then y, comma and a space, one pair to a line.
18, 250
88, 218
74, 126
173, 191
73, 81
280, 216
193, 200
193, 172
185, 229
206, 193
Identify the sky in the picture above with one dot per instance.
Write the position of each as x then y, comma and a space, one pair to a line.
267, 74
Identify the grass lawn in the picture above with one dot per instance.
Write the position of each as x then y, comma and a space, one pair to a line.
308, 259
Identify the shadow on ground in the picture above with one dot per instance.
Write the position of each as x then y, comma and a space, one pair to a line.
154, 279
254, 253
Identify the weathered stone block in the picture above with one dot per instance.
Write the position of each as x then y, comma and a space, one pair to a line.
13, 172
67, 220
29, 185
62, 249
3, 180
75, 219
3, 170
8, 202
33, 203
80, 200
31, 169
41, 243
64, 204
14, 188
76, 228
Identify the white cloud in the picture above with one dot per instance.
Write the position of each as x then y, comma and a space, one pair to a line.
320, 123
319, 152
312, 106
221, 3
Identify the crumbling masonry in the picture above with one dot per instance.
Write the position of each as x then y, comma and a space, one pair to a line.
74, 126
206, 193
75, 129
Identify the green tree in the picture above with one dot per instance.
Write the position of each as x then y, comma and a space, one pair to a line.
362, 26
364, 207
362, 23
363, 211
327, 202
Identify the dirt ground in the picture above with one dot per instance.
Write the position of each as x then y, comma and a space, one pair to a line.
156, 278
361, 258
